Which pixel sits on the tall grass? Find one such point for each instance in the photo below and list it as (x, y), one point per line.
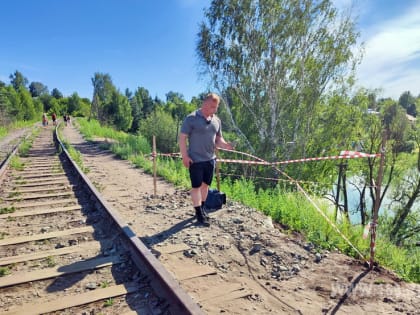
(122, 144)
(74, 154)
(5, 130)
(26, 144)
(290, 208)
(16, 163)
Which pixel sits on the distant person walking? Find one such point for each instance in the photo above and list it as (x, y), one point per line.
(202, 129)
(54, 119)
(68, 120)
(65, 119)
(44, 119)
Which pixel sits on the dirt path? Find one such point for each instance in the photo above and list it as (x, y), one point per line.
(277, 272)
(8, 142)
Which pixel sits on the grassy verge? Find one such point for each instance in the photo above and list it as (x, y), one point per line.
(74, 154)
(5, 130)
(289, 208)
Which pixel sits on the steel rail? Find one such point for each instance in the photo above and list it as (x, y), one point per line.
(162, 281)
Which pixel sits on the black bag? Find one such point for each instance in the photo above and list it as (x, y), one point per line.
(215, 199)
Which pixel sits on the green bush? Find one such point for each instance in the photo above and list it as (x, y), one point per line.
(161, 125)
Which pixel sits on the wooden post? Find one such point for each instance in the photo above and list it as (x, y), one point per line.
(377, 202)
(217, 171)
(154, 166)
(344, 188)
(337, 195)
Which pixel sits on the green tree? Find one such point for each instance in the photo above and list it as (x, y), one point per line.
(17, 80)
(279, 58)
(178, 107)
(400, 182)
(26, 104)
(119, 111)
(14, 109)
(406, 170)
(4, 106)
(103, 90)
(84, 108)
(172, 96)
(136, 104)
(408, 102)
(74, 103)
(161, 125)
(405, 225)
(52, 104)
(56, 93)
(37, 89)
(147, 101)
(38, 105)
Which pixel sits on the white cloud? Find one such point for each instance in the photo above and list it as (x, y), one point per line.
(392, 55)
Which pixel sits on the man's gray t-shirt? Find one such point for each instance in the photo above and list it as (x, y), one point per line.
(201, 135)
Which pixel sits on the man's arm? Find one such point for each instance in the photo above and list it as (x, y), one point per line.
(221, 143)
(186, 160)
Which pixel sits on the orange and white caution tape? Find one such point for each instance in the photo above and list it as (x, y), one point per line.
(257, 161)
(343, 155)
(299, 187)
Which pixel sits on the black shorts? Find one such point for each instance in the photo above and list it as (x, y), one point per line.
(202, 172)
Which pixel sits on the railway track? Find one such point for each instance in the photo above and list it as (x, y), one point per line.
(64, 251)
(9, 144)
(217, 266)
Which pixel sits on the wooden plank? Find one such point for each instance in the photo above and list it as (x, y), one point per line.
(50, 163)
(142, 310)
(47, 273)
(39, 196)
(44, 236)
(40, 180)
(39, 160)
(29, 169)
(39, 189)
(94, 246)
(43, 183)
(224, 290)
(37, 212)
(194, 272)
(232, 296)
(45, 203)
(23, 176)
(47, 153)
(39, 172)
(76, 300)
(43, 162)
(173, 248)
(183, 269)
(54, 163)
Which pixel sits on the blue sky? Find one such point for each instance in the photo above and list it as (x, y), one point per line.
(390, 30)
(151, 43)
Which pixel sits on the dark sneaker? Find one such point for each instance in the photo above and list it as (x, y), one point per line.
(203, 222)
(201, 219)
(204, 212)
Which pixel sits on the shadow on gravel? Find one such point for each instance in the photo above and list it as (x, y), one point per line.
(350, 289)
(157, 238)
(77, 271)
